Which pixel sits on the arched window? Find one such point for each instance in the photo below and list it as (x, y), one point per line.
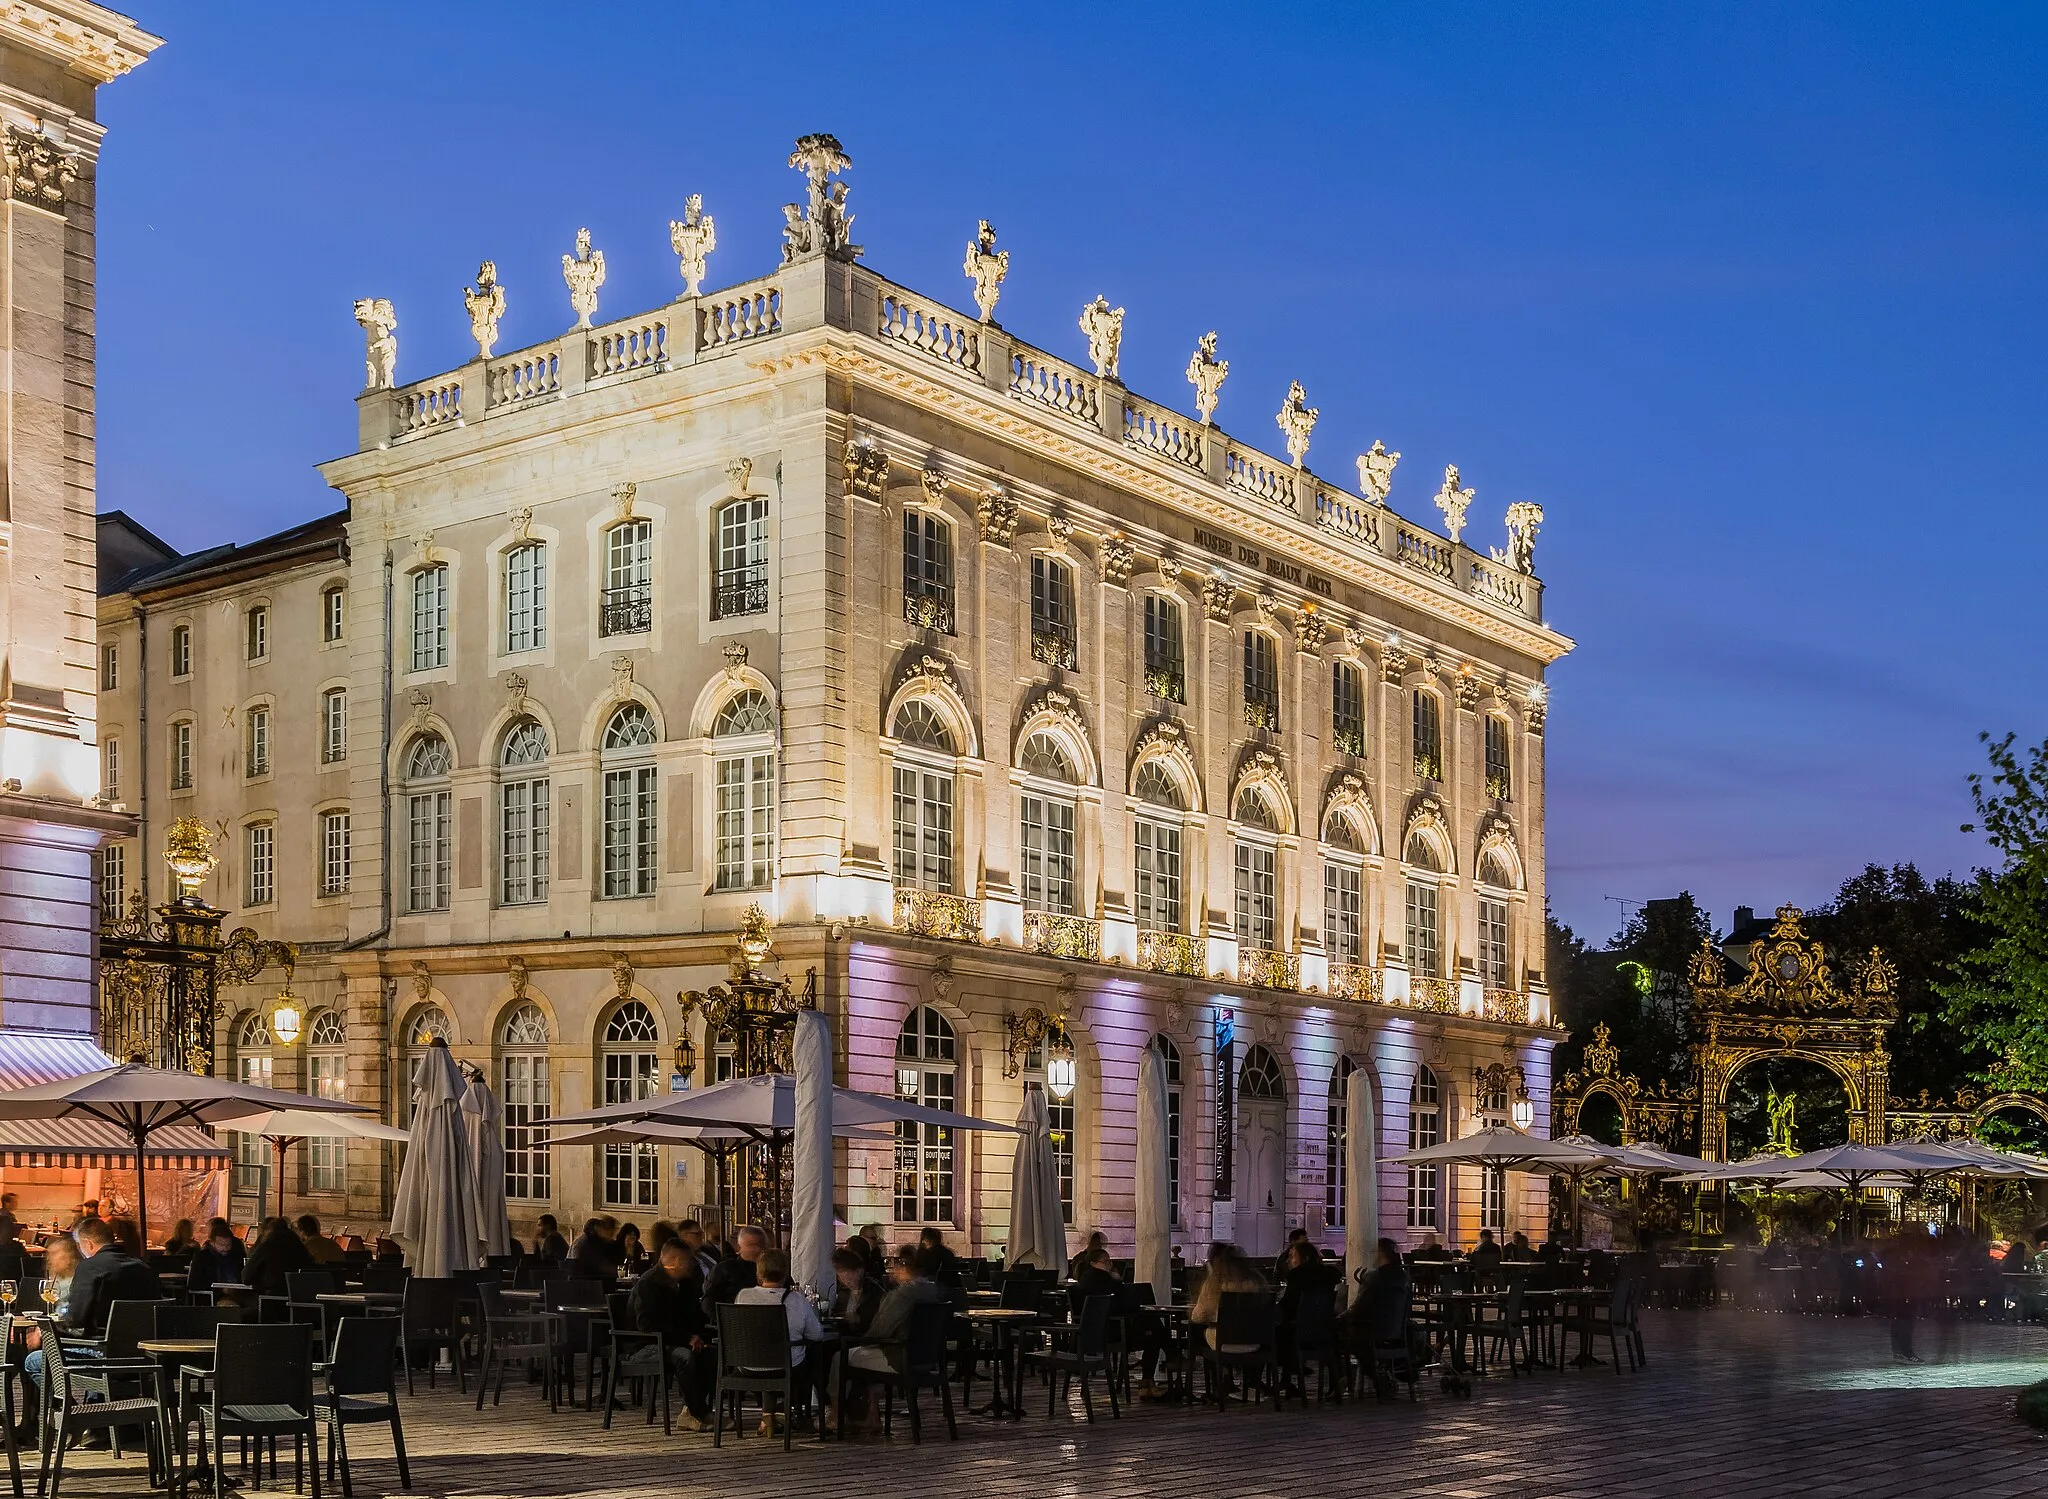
(928, 570)
(421, 1028)
(1064, 1115)
(1261, 680)
(1260, 1076)
(1156, 861)
(1425, 929)
(1500, 766)
(631, 813)
(632, 1071)
(746, 793)
(928, 1073)
(1335, 1185)
(1045, 810)
(1165, 655)
(327, 1078)
(524, 811)
(627, 604)
(1169, 1057)
(252, 1065)
(921, 804)
(526, 597)
(740, 579)
(1425, 1128)
(1257, 868)
(1429, 737)
(1494, 876)
(525, 1093)
(429, 824)
(430, 617)
(1491, 1104)
(1053, 638)
(1347, 708)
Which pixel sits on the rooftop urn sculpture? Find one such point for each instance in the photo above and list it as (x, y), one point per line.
(693, 237)
(1205, 373)
(486, 304)
(1104, 326)
(821, 224)
(986, 267)
(1524, 518)
(1297, 419)
(584, 272)
(380, 342)
(1376, 472)
(1453, 501)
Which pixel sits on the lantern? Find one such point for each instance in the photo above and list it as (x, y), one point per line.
(1059, 1065)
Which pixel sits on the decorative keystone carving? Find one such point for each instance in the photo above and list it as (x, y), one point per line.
(1538, 706)
(1393, 660)
(1269, 609)
(1205, 373)
(515, 691)
(693, 237)
(39, 171)
(1117, 558)
(735, 661)
(623, 496)
(1218, 594)
(622, 673)
(380, 342)
(867, 469)
(622, 975)
(995, 513)
(1310, 628)
(1376, 472)
(1297, 419)
(1060, 705)
(584, 272)
(1104, 326)
(926, 668)
(515, 975)
(422, 981)
(1469, 686)
(422, 704)
(1524, 517)
(486, 304)
(522, 523)
(1453, 502)
(933, 481)
(1060, 529)
(820, 226)
(739, 475)
(986, 267)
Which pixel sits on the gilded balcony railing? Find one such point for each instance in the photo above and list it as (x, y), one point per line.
(1173, 952)
(931, 914)
(1269, 970)
(1355, 981)
(1168, 682)
(1053, 647)
(930, 611)
(1508, 1005)
(1063, 936)
(1349, 741)
(1261, 713)
(1426, 993)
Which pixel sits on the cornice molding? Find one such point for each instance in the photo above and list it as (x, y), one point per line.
(96, 43)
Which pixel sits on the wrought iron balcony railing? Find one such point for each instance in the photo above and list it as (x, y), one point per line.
(1497, 787)
(1173, 952)
(1053, 647)
(1167, 682)
(929, 611)
(1425, 993)
(626, 611)
(1349, 741)
(739, 593)
(1063, 936)
(1268, 969)
(1510, 1006)
(1355, 981)
(1262, 713)
(1429, 766)
(932, 914)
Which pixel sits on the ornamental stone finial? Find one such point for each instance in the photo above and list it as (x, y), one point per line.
(821, 224)
(1454, 501)
(1524, 517)
(486, 304)
(1376, 472)
(693, 237)
(986, 267)
(584, 272)
(380, 342)
(1104, 326)
(1205, 373)
(1296, 420)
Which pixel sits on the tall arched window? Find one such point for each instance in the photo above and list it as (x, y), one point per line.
(740, 579)
(928, 1073)
(1063, 1114)
(632, 1071)
(252, 1065)
(1258, 887)
(627, 604)
(922, 800)
(1347, 708)
(1500, 765)
(1492, 1106)
(1343, 892)
(745, 733)
(1156, 854)
(1169, 1057)
(1495, 881)
(1335, 1185)
(1429, 736)
(1165, 655)
(1424, 946)
(1425, 1128)
(1045, 807)
(327, 1078)
(1261, 680)
(928, 570)
(429, 824)
(527, 1098)
(526, 597)
(523, 815)
(1260, 1076)
(422, 1027)
(1053, 639)
(631, 825)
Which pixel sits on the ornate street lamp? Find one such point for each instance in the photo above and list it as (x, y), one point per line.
(287, 1015)
(1033, 1028)
(1059, 1062)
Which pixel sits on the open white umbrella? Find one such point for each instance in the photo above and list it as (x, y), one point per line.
(1038, 1228)
(284, 1130)
(139, 1101)
(1504, 1148)
(484, 1123)
(764, 1109)
(810, 1209)
(434, 1216)
(1361, 1173)
(1154, 1263)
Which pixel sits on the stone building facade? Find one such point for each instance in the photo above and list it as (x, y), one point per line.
(1023, 705)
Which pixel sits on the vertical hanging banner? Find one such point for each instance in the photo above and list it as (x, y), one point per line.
(1226, 1101)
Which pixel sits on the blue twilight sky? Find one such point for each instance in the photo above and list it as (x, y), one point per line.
(1750, 298)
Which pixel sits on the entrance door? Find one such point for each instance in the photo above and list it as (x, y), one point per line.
(1262, 1180)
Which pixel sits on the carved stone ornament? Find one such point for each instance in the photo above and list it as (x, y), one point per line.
(422, 703)
(1060, 529)
(39, 171)
(867, 469)
(1269, 609)
(1117, 558)
(926, 668)
(515, 975)
(1393, 659)
(1468, 686)
(622, 672)
(942, 979)
(986, 267)
(1376, 472)
(1297, 419)
(423, 546)
(1524, 517)
(1104, 326)
(820, 225)
(1310, 628)
(623, 496)
(739, 477)
(693, 237)
(584, 272)
(1218, 594)
(1538, 706)
(932, 481)
(486, 304)
(422, 981)
(515, 692)
(522, 524)
(380, 342)
(1453, 501)
(735, 660)
(995, 514)
(622, 975)
(1205, 373)
(1167, 736)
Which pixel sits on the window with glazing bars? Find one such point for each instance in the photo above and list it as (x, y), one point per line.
(1493, 942)
(260, 882)
(1257, 897)
(1156, 900)
(746, 822)
(333, 725)
(334, 853)
(629, 831)
(181, 755)
(1343, 912)
(740, 582)
(1425, 1128)
(1261, 680)
(1347, 708)
(927, 1073)
(1423, 958)
(1500, 781)
(1047, 854)
(1052, 612)
(627, 607)
(1165, 659)
(927, 570)
(1429, 737)
(257, 742)
(430, 618)
(526, 598)
(923, 816)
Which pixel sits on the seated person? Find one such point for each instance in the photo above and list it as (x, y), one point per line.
(1378, 1315)
(888, 1340)
(325, 1251)
(1518, 1249)
(945, 1263)
(1096, 1240)
(278, 1253)
(772, 1288)
(1485, 1256)
(1228, 1271)
(669, 1299)
(181, 1244)
(1431, 1248)
(219, 1261)
(856, 1296)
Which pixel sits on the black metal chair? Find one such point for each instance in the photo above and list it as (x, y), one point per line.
(753, 1359)
(7, 1412)
(1313, 1340)
(583, 1317)
(924, 1368)
(508, 1336)
(1247, 1339)
(262, 1389)
(386, 1276)
(68, 1411)
(175, 1321)
(639, 1357)
(362, 1390)
(428, 1325)
(1080, 1347)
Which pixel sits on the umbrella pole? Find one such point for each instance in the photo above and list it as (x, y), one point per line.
(140, 1134)
(280, 1144)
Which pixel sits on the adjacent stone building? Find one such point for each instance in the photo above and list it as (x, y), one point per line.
(1023, 705)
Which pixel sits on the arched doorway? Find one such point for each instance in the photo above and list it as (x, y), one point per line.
(1261, 1209)
(2012, 1121)
(1785, 1102)
(1601, 1117)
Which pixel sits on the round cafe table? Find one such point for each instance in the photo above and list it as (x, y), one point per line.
(1006, 1322)
(178, 1359)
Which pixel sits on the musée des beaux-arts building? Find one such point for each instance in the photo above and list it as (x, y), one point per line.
(1017, 701)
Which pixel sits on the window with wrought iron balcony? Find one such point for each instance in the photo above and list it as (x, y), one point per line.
(1347, 709)
(740, 585)
(928, 571)
(1165, 664)
(1429, 737)
(1052, 613)
(1261, 681)
(626, 603)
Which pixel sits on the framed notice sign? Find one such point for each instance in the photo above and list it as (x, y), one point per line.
(1226, 1101)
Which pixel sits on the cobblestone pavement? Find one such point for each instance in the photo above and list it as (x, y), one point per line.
(1732, 1403)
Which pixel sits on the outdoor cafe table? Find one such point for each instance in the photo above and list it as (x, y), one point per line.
(179, 1359)
(1006, 1323)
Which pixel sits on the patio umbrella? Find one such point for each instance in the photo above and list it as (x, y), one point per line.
(1154, 1263)
(434, 1216)
(1361, 1173)
(139, 1101)
(483, 1121)
(764, 1110)
(810, 1210)
(284, 1130)
(1038, 1228)
(1504, 1148)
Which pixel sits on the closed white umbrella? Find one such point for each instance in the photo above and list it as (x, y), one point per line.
(1038, 1231)
(484, 1122)
(1361, 1173)
(810, 1209)
(1154, 1263)
(434, 1217)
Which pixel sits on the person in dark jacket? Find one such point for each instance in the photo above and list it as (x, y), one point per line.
(549, 1247)
(945, 1265)
(889, 1334)
(106, 1274)
(592, 1258)
(735, 1274)
(668, 1299)
(219, 1261)
(279, 1252)
(1378, 1315)
(856, 1296)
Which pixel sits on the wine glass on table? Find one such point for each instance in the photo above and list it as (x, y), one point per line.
(8, 1291)
(49, 1292)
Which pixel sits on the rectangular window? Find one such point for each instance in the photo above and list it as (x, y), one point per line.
(1493, 1199)
(260, 884)
(429, 841)
(1500, 784)
(1261, 680)
(526, 598)
(927, 570)
(252, 1152)
(746, 822)
(923, 815)
(1258, 918)
(627, 607)
(327, 1155)
(1047, 855)
(333, 614)
(333, 725)
(740, 585)
(113, 881)
(256, 641)
(1429, 737)
(110, 667)
(430, 618)
(1493, 942)
(110, 770)
(1423, 958)
(527, 1100)
(523, 857)
(1165, 660)
(334, 853)
(629, 831)
(181, 755)
(1425, 1128)
(257, 743)
(1061, 1115)
(1157, 861)
(1343, 913)
(1347, 708)
(181, 650)
(1052, 612)
(924, 1152)
(632, 1173)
